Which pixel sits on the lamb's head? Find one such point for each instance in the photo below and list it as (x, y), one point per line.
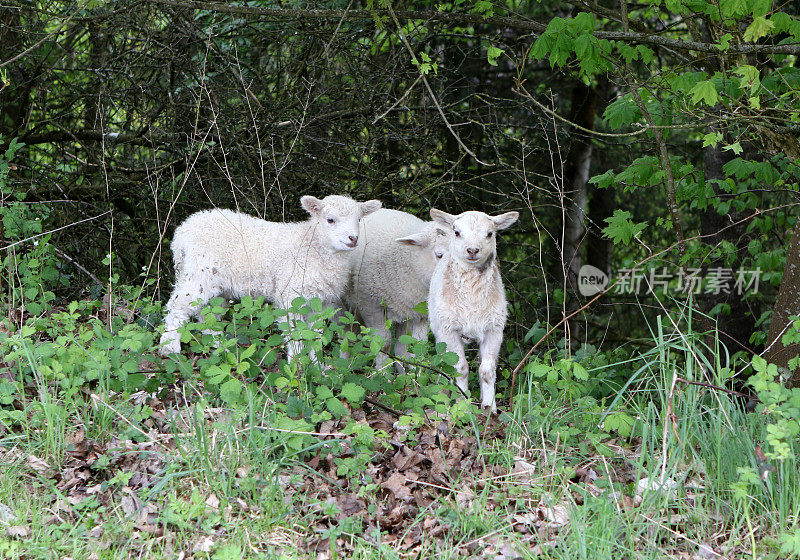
(473, 239)
(337, 219)
(430, 244)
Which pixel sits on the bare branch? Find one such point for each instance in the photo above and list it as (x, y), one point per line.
(526, 25)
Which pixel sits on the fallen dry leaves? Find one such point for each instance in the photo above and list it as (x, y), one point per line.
(400, 498)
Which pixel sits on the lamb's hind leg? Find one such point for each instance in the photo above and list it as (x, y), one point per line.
(180, 308)
(293, 347)
(213, 332)
(374, 317)
(418, 329)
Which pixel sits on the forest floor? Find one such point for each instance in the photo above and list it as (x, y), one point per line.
(87, 472)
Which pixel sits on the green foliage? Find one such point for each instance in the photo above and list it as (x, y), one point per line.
(704, 91)
(72, 353)
(760, 27)
(492, 54)
(621, 229)
(781, 405)
(74, 350)
(622, 112)
(426, 64)
(29, 263)
(790, 543)
(568, 37)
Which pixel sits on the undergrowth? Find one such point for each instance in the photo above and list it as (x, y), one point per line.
(228, 451)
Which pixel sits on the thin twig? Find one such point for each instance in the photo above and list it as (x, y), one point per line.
(430, 89)
(77, 265)
(55, 230)
(399, 101)
(520, 89)
(610, 287)
(503, 22)
(718, 388)
(53, 33)
(669, 177)
(382, 406)
(433, 369)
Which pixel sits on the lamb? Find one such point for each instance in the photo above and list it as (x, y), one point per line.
(467, 300)
(390, 274)
(229, 254)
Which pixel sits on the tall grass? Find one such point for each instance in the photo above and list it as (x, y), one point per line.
(695, 438)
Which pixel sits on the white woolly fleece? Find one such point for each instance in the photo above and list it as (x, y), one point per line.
(229, 254)
(467, 299)
(391, 271)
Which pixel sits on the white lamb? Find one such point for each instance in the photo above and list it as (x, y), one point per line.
(229, 254)
(467, 300)
(391, 274)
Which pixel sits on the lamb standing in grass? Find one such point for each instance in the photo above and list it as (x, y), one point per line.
(467, 299)
(229, 254)
(391, 274)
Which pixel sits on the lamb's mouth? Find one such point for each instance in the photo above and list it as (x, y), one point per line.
(473, 259)
(351, 244)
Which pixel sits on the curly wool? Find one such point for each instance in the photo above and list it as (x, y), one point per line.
(230, 254)
(391, 271)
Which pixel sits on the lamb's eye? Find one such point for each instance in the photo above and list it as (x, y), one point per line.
(331, 221)
(439, 255)
(458, 233)
(489, 235)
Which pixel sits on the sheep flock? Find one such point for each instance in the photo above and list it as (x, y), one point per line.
(379, 264)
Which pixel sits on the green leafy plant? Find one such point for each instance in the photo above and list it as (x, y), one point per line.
(780, 405)
(29, 261)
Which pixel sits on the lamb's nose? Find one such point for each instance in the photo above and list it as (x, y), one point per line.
(354, 239)
(472, 252)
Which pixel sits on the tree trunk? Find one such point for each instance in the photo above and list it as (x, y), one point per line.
(736, 326)
(576, 176)
(786, 305)
(598, 247)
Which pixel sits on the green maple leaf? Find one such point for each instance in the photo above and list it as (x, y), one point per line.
(736, 148)
(620, 422)
(492, 54)
(712, 139)
(621, 112)
(750, 77)
(704, 91)
(621, 229)
(760, 27)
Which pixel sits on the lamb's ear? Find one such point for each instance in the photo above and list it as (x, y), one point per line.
(312, 204)
(369, 206)
(421, 239)
(442, 217)
(505, 220)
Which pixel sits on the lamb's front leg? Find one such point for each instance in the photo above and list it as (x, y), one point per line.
(487, 372)
(295, 347)
(374, 317)
(456, 344)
